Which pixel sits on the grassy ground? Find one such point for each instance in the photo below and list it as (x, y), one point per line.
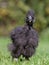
(40, 58)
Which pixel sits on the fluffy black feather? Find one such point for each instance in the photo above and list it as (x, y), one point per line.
(24, 40)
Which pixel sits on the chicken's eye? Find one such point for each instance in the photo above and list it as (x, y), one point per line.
(32, 17)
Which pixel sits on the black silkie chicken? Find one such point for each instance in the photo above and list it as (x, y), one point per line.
(24, 39)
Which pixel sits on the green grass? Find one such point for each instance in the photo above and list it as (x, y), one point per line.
(41, 56)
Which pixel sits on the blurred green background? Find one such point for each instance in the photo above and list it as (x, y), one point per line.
(12, 14)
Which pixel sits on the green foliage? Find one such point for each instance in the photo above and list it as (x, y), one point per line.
(13, 13)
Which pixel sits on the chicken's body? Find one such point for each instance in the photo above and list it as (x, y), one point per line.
(24, 39)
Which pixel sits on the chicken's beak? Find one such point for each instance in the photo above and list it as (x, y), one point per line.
(30, 21)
